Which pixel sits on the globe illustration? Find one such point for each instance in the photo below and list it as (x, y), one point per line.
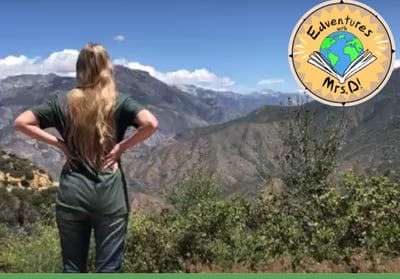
(340, 49)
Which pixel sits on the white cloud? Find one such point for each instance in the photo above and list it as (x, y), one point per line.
(13, 65)
(397, 63)
(136, 66)
(270, 81)
(199, 77)
(63, 63)
(119, 38)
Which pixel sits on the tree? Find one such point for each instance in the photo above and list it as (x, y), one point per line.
(312, 137)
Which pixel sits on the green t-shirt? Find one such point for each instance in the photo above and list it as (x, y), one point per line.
(83, 191)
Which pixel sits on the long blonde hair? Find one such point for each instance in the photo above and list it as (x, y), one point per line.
(90, 106)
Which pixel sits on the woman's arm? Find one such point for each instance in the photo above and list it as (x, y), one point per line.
(28, 124)
(148, 124)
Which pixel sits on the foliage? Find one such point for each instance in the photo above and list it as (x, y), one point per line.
(21, 208)
(360, 216)
(18, 168)
(15, 166)
(312, 137)
(38, 252)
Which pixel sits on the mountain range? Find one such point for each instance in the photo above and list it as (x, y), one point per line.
(179, 110)
(233, 130)
(233, 149)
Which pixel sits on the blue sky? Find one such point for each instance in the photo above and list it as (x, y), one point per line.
(219, 43)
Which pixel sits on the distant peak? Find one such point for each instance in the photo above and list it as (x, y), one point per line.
(121, 68)
(29, 76)
(188, 88)
(268, 92)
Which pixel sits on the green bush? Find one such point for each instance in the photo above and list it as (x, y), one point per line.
(360, 216)
(23, 207)
(38, 252)
(150, 245)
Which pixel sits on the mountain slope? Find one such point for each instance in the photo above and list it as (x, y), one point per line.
(234, 148)
(176, 110)
(189, 126)
(231, 149)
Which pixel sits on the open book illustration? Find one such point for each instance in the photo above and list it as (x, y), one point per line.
(357, 65)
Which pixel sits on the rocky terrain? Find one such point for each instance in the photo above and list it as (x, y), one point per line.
(17, 172)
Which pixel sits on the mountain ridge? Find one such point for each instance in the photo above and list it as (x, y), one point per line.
(370, 144)
(176, 110)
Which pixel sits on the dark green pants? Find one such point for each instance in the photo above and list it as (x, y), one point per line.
(109, 233)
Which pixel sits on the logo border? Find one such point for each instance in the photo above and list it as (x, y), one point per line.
(302, 84)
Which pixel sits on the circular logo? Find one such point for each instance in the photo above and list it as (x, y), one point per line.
(341, 53)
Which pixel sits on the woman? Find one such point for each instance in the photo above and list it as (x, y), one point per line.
(92, 120)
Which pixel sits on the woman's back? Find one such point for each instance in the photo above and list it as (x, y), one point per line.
(82, 188)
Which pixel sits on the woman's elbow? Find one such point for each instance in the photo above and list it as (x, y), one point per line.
(24, 120)
(148, 121)
(19, 123)
(149, 126)
(153, 124)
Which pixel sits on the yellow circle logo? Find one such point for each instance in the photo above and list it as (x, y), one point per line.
(341, 53)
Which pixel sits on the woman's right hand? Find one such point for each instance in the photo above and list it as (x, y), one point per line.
(147, 125)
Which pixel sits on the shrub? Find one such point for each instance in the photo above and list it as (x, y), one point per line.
(359, 216)
(38, 252)
(150, 245)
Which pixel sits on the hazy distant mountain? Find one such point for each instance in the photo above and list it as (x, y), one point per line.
(243, 102)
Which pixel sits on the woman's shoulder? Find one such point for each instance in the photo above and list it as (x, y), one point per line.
(62, 98)
(122, 96)
(52, 101)
(124, 99)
